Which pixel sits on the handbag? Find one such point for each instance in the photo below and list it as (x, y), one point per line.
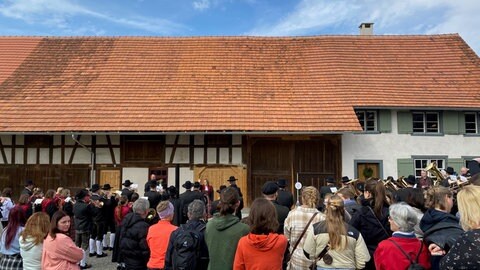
(300, 238)
(327, 259)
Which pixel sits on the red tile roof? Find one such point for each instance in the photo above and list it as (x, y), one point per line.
(256, 84)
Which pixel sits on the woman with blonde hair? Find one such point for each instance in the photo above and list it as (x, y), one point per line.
(441, 229)
(31, 240)
(296, 226)
(339, 244)
(465, 253)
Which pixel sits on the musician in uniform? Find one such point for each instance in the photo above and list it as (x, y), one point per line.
(284, 196)
(110, 203)
(126, 191)
(329, 188)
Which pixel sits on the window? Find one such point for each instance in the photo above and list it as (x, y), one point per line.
(471, 123)
(425, 122)
(368, 120)
(421, 164)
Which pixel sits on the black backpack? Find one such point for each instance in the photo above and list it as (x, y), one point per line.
(414, 265)
(186, 247)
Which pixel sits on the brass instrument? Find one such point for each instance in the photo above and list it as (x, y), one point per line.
(152, 213)
(459, 184)
(432, 168)
(391, 185)
(401, 182)
(353, 186)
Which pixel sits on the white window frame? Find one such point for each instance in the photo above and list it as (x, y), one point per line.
(364, 126)
(424, 129)
(424, 162)
(471, 131)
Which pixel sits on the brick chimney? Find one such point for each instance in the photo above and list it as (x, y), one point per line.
(366, 29)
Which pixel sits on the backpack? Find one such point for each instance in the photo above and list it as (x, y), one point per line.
(414, 265)
(186, 247)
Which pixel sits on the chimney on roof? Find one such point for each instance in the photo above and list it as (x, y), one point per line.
(366, 29)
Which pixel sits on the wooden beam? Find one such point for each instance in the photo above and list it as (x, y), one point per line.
(4, 156)
(110, 147)
(14, 143)
(174, 149)
(75, 146)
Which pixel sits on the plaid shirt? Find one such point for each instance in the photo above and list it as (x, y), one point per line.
(296, 221)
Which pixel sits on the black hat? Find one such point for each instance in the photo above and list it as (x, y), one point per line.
(450, 170)
(106, 187)
(196, 185)
(345, 179)
(232, 179)
(361, 186)
(187, 185)
(127, 183)
(222, 187)
(411, 180)
(95, 188)
(269, 188)
(152, 183)
(282, 183)
(172, 191)
(474, 167)
(82, 193)
(95, 198)
(28, 182)
(330, 179)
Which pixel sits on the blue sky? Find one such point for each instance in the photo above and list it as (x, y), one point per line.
(238, 17)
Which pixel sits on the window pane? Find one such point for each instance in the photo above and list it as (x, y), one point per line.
(418, 127)
(361, 119)
(432, 117)
(371, 115)
(418, 163)
(417, 117)
(469, 118)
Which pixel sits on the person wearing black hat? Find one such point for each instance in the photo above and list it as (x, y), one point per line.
(154, 197)
(126, 191)
(329, 188)
(187, 197)
(96, 235)
(28, 188)
(284, 197)
(214, 206)
(153, 178)
(344, 182)
(402, 195)
(110, 202)
(82, 212)
(269, 191)
(233, 183)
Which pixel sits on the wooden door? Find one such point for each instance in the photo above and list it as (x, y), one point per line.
(364, 170)
(111, 177)
(218, 176)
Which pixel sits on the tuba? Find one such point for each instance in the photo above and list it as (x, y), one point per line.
(432, 168)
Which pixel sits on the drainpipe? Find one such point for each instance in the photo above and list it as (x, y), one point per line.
(92, 159)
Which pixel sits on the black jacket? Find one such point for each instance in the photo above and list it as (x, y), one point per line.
(185, 199)
(373, 229)
(285, 198)
(133, 242)
(154, 198)
(199, 226)
(440, 228)
(82, 213)
(282, 213)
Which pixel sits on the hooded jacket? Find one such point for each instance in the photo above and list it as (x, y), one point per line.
(222, 235)
(133, 242)
(440, 228)
(31, 253)
(257, 251)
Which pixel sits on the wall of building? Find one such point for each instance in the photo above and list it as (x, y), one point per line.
(389, 147)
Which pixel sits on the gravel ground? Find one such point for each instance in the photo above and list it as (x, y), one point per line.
(104, 263)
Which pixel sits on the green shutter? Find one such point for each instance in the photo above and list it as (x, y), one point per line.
(450, 122)
(456, 163)
(404, 121)
(405, 167)
(461, 123)
(384, 121)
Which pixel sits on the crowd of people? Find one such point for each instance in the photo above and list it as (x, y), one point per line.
(362, 226)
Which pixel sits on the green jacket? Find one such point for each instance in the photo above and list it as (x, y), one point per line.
(222, 235)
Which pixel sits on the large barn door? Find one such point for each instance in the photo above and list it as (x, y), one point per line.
(110, 176)
(218, 176)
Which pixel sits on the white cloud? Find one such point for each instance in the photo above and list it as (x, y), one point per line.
(201, 4)
(57, 13)
(393, 17)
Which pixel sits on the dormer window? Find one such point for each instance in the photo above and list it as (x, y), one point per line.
(367, 119)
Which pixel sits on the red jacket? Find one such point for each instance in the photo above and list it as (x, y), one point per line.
(388, 255)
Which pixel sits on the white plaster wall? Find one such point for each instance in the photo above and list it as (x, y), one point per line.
(198, 155)
(224, 156)
(57, 140)
(6, 140)
(391, 146)
(211, 155)
(31, 156)
(44, 156)
(57, 156)
(236, 139)
(182, 155)
(185, 175)
(237, 155)
(8, 153)
(18, 156)
(19, 140)
(82, 156)
(103, 156)
(138, 176)
(182, 139)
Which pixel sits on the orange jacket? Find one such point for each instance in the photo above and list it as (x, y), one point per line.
(157, 240)
(260, 252)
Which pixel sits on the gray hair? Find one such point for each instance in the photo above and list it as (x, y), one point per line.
(404, 216)
(196, 210)
(141, 206)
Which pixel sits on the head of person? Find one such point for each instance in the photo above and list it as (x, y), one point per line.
(24, 199)
(310, 197)
(439, 198)
(469, 207)
(196, 210)
(65, 193)
(16, 219)
(59, 190)
(165, 210)
(153, 177)
(402, 217)
(464, 171)
(269, 190)
(60, 223)
(196, 186)
(262, 217)
(423, 174)
(37, 227)
(50, 194)
(415, 198)
(7, 192)
(334, 216)
(134, 197)
(123, 200)
(346, 194)
(29, 184)
(376, 193)
(141, 207)
(172, 192)
(229, 201)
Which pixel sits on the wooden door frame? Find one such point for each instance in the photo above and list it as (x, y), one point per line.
(356, 162)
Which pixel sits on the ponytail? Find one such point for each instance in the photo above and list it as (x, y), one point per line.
(379, 198)
(334, 218)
